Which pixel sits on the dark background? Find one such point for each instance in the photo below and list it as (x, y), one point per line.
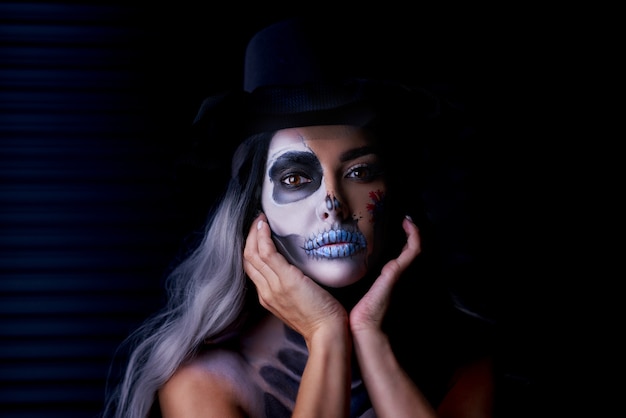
(95, 100)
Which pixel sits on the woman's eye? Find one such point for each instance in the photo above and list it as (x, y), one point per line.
(365, 172)
(295, 180)
(362, 172)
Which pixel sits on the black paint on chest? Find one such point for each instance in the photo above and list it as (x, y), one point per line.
(283, 378)
(280, 381)
(274, 408)
(294, 360)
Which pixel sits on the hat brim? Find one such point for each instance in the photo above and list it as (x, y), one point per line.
(225, 121)
(357, 102)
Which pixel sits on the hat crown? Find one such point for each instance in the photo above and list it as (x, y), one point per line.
(295, 51)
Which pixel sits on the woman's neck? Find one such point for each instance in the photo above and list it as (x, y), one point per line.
(348, 296)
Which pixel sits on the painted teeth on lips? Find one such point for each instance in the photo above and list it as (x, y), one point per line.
(335, 243)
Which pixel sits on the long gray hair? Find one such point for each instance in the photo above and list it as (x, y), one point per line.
(207, 293)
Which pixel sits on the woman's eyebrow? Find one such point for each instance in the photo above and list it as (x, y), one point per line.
(356, 153)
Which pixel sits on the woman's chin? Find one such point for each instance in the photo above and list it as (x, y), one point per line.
(334, 273)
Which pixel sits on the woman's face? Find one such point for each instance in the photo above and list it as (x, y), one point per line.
(323, 193)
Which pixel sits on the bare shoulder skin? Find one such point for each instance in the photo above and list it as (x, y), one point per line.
(259, 378)
(215, 383)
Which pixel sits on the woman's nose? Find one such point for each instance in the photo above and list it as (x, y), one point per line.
(331, 208)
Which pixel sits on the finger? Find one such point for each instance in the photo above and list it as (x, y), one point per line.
(392, 270)
(263, 255)
(412, 247)
(251, 247)
(254, 265)
(265, 245)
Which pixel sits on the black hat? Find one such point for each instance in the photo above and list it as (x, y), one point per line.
(304, 72)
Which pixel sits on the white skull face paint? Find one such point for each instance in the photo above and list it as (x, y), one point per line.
(322, 191)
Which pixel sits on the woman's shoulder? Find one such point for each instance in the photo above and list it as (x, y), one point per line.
(213, 382)
(223, 362)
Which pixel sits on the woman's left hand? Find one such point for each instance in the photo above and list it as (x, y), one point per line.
(369, 312)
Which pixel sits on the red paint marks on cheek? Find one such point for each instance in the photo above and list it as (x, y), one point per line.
(375, 207)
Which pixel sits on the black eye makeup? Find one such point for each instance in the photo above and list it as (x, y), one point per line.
(295, 175)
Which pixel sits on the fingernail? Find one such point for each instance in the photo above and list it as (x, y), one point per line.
(409, 218)
(259, 225)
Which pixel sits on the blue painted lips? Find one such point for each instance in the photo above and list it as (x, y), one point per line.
(335, 243)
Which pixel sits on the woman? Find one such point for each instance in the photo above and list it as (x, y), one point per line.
(312, 291)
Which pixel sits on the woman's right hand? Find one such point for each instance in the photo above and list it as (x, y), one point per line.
(285, 290)
(311, 311)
